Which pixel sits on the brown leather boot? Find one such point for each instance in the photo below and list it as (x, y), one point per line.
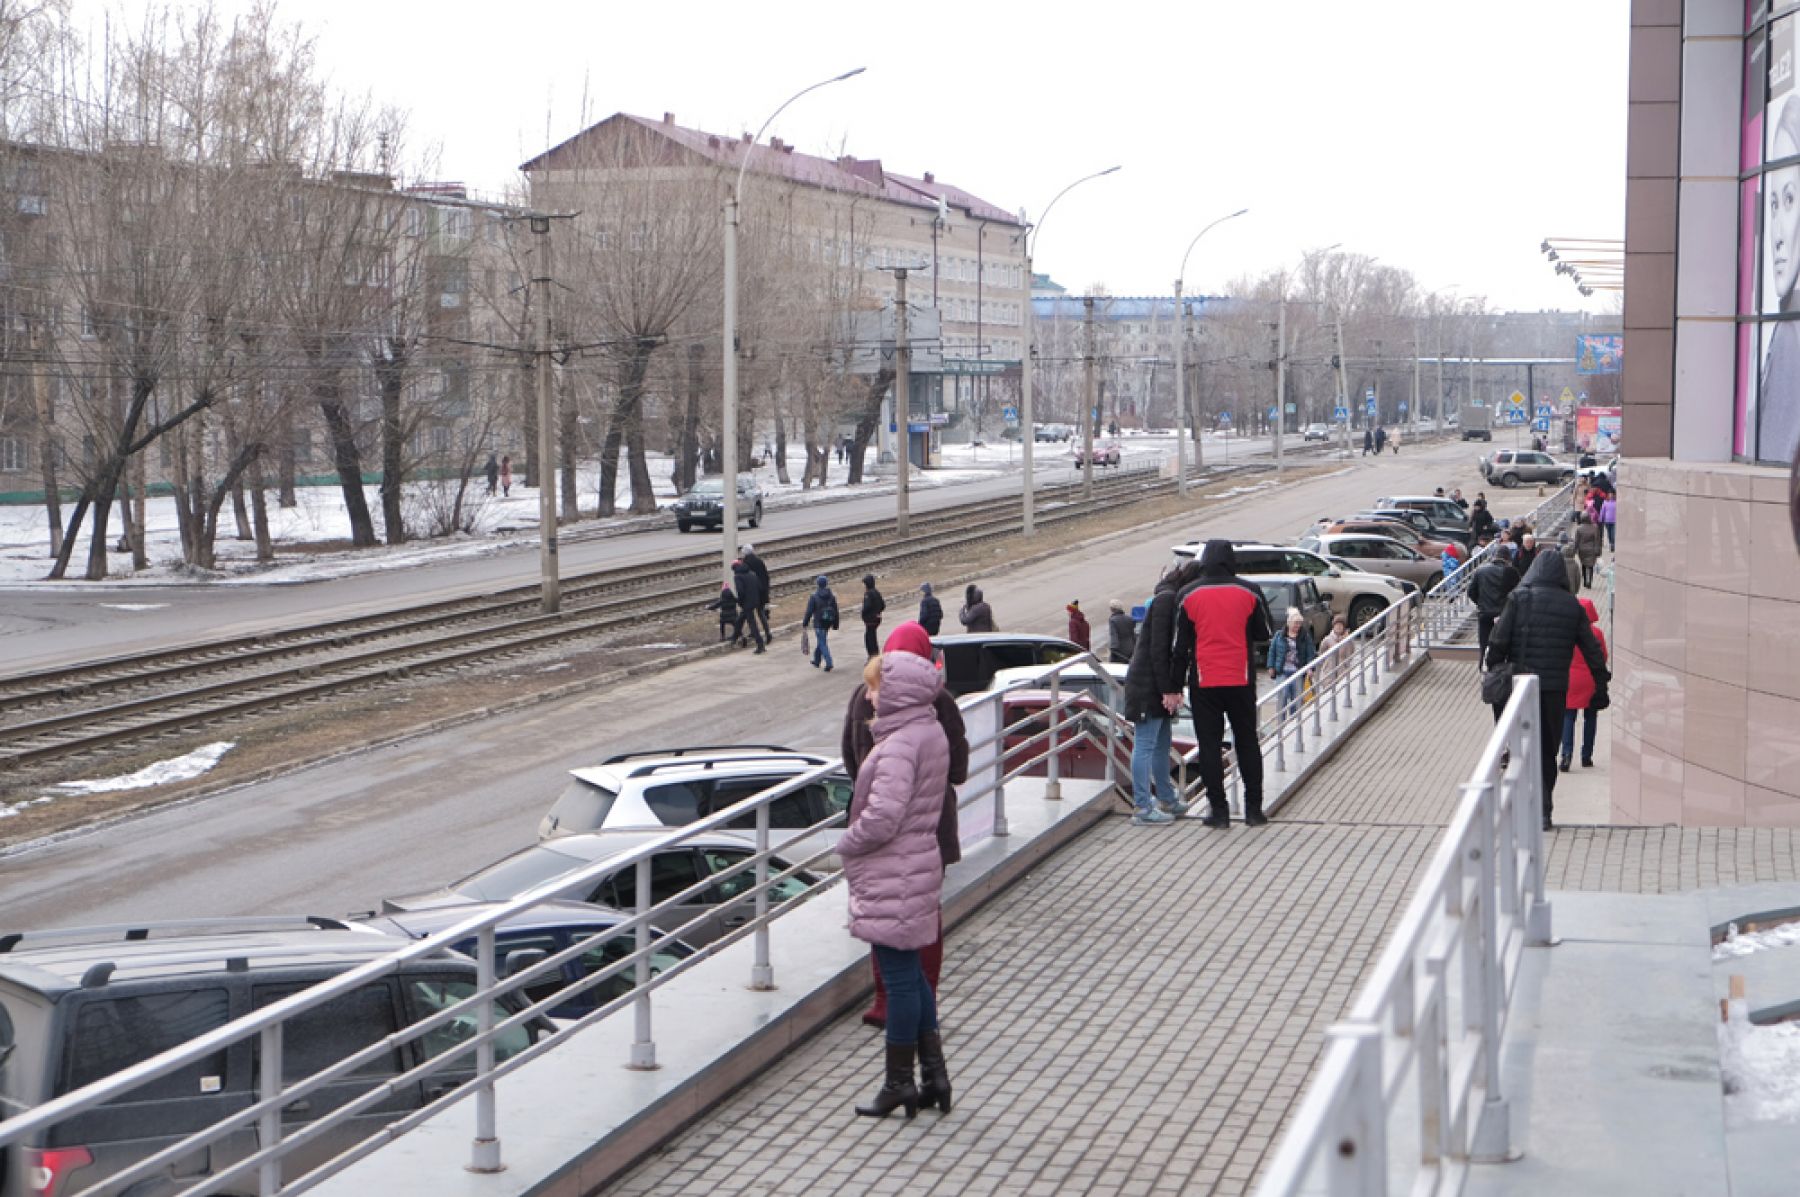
(899, 1089)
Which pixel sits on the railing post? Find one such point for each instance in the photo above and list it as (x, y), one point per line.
(1053, 784)
(1110, 714)
(1537, 918)
(1492, 1143)
(1000, 830)
(762, 972)
(268, 1181)
(484, 1154)
(1356, 1156)
(643, 1047)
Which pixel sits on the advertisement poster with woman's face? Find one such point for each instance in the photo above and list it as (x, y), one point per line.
(1777, 411)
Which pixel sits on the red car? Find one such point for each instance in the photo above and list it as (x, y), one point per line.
(1108, 454)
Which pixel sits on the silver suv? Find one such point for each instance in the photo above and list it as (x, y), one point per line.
(1509, 467)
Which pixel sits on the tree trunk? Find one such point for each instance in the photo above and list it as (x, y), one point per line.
(628, 421)
(285, 462)
(240, 512)
(528, 401)
(568, 453)
(867, 421)
(60, 567)
(687, 452)
(185, 522)
(259, 514)
(609, 469)
(781, 470)
(348, 459)
(140, 549)
(47, 449)
(103, 499)
(390, 375)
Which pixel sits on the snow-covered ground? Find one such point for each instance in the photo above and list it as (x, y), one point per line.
(180, 768)
(1737, 944)
(501, 521)
(1761, 1069)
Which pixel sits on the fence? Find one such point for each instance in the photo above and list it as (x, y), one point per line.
(1000, 752)
(1408, 1093)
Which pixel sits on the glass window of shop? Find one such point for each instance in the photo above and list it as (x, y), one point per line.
(1768, 382)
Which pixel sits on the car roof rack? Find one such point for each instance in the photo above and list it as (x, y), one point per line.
(656, 767)
(648, 752)
(133, 932)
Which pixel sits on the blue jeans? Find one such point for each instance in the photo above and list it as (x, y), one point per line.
(1150, 762)
(911, 1006)
(1590, 718)
(1290, 695)
(1612, 536)
(820, 651)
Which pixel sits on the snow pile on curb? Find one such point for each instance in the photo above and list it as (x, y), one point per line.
(1750, 942)
(162, 773)
(1761, 1070)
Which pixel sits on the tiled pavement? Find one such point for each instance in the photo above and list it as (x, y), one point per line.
(1140, 1015)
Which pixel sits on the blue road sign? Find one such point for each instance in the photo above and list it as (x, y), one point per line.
(1369, 395)
(1544, 411)
(1371, 409)
(1542, 425)
(1403, 407)
(1009, 413)
(1581, 398)
(1340, 414)
(1271, 413)
(1515, 415)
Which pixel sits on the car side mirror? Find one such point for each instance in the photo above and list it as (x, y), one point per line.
(524, 959)
(1333, 572)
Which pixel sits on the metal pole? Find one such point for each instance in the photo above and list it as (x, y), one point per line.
(1415, 395)
(728, 419)
(1027, 430)
(643, 1046)
(484, 1156)
(1180, 394)
(1087, 399)
(1343, 386)
(1280, 376)
(540, 285)
(269, 1085)
(902, 403)
(762, 971)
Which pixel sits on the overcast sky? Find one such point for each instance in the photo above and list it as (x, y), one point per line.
(1446, 138)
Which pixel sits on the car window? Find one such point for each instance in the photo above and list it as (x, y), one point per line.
(318, 1038)
(517, 873)
(543, 984)
(115, 1033)
(7, 1043)
(614, 948)
(838, 793)
(996, 657)
(582, 804)
(1351, 548)
(1303, 563)
(718, 860)
(1050, 654)
(1312, 543)
(1258, 561)
(678, 803)
(430, 996)
(790, 810)
(670, 873)
(1395, 551)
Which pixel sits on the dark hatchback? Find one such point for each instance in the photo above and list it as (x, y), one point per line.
(972, 658)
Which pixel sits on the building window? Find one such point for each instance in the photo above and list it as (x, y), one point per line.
(14, 455)
(1767, 425)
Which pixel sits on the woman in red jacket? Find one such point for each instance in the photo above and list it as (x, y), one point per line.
(1581, 698)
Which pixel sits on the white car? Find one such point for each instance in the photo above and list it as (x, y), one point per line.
(1316, 432)
(1358, 595)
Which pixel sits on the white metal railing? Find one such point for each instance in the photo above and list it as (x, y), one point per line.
(1408, 1093)
(498, 1006)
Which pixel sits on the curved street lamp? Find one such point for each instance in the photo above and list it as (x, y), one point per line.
(1181, 484)
(1028, 437)
(728, 422)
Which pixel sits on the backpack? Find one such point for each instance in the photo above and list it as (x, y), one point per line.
(828, 613)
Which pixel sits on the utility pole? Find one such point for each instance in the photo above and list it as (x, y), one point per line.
(1415, 397)
(1280, 376)
(1180, 393)
(1343, 386)
(1027, 430)
(1087, 400)
(903, 400)
(1438, 336)
(540, 294)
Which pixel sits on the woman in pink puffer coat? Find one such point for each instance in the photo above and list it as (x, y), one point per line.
(895, 873)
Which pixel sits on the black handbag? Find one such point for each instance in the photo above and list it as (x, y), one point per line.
(1497, 684)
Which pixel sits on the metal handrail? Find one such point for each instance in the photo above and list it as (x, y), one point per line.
(1457, 947)
(484, 1004)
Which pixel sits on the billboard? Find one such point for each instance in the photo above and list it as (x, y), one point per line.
(1597, 428)
(865, 341)
(1599, 353)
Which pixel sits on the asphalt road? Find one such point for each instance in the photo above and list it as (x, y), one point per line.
(43, 625)
(339, 836)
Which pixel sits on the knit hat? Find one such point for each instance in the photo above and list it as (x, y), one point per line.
(1115, 604)
(749, 548)
(909, 637)
(1075, 605)
(924, 587)
(822, 581)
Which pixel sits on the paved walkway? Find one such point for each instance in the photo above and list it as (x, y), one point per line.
(1140, 1015)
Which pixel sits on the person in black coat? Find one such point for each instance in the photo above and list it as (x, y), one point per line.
(1481, 520)
(931, 612)
(1540, 631)
(872, 607)
(1121, 633)
(1368, 441)
(749, 598)
(1489, 586)
(761, 571)
(1152, 696)
(726, 606)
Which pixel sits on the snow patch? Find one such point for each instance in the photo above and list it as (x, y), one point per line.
(670, 644)
(135, 606)
(1761, 1069)
(9, 810)
(1751, 942)
(557, 666)
(162, 773)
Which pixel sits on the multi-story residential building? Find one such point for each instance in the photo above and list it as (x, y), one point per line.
(1134, 350)
(964, 255)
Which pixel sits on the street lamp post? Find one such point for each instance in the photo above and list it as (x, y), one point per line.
(728, 421)
(1181, 366)
(1028, 435)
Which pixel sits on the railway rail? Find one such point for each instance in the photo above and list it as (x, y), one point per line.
(102, 706)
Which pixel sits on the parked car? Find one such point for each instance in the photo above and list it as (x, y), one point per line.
(972, 658)
(541, 932)
(79, 1005)
(704, 505)
(1610, 469)
(1297, 591)
(1441, 511)
(1380, 554)
(1028, 704)
(719, 908)
(1419, 522)
(1509, 467)
(1053, 432)
(1358, 594)
(1316, 432)
(1401, 531)
(673, 787)
(1107, 454)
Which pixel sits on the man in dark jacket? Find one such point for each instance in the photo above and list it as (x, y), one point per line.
(872, 607)
(1152, 696)
(1481, 520)
(761, 571)
(749, 597)
(1491, 582)
(1121, 634)
(1220, 620)
(931, 612)
(1380, 439)
(1540, 631)
(858, 741)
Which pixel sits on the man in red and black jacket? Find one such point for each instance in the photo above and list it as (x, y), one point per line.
(1222, 618)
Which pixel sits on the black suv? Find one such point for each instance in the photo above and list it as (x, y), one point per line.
(79, 1005)
(704, 505)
